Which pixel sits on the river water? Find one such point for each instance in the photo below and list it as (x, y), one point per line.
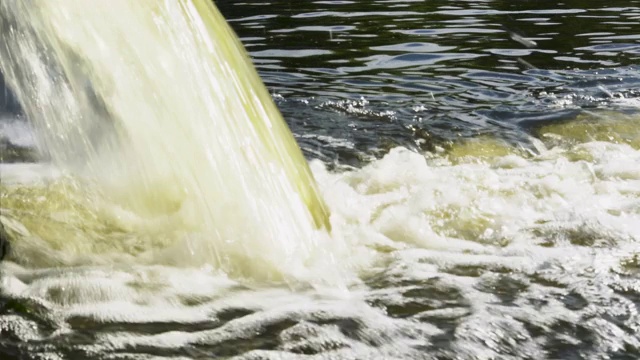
(481, 161)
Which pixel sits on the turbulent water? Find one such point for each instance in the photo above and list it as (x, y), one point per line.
(171, 144)
(481, 163)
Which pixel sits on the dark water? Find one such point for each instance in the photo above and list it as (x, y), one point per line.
(436, 70)
(377, 74)
(357, 78)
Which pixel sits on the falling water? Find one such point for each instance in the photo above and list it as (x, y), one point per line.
(171, 145)
(484, 194)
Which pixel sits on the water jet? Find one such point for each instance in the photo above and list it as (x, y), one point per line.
(162, 128)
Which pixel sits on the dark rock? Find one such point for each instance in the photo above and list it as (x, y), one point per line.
(4, 242)
(13, 153)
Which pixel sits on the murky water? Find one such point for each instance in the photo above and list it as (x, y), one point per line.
(481, 160)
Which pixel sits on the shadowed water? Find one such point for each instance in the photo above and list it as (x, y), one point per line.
(481, 162)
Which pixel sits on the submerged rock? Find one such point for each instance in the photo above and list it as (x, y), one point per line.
(4, 242)
(13, 153)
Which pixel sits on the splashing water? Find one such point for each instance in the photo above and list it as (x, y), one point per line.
(476, 248)
(156, 114)
(514, 256)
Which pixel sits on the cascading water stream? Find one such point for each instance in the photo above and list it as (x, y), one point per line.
(478, 209)
(156, 114)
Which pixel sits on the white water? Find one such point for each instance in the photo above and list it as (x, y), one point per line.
(466, 247)
(432, 242)
(164, 130)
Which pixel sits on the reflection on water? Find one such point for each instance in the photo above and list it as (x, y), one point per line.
(442, 68)
(481, 160)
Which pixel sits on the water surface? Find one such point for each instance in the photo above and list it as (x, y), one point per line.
(442, 68)
(481, 160)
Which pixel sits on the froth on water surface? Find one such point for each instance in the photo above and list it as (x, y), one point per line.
(481, 164)
(482, 249)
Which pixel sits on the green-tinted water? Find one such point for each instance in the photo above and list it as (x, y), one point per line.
(481, 163)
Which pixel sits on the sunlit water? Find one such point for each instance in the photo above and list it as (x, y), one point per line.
(482, 167)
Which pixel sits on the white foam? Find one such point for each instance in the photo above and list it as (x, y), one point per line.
(407, 220)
